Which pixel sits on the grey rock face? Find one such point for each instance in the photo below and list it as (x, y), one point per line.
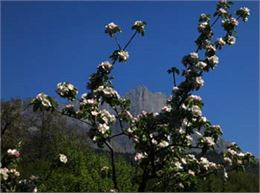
(144, 100)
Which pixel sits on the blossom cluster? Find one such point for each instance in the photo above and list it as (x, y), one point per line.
(10, 176)
(243, 12)
(13, 152)
(120, 55)
(43, 102)
(105, 67)
(9, 173)
(235, 157)
(139, 26)
(67, 90)
(112, 29)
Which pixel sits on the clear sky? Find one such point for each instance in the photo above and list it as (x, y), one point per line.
(44, 43)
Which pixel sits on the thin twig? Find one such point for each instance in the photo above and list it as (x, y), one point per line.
(88, 123)
(130, 40)
(118, 45)
(215, 21)
(174, 79)
(116, 135)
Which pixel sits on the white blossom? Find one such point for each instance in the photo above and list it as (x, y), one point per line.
(210, 47)
(213, 60)
(15, 172)
(111, 25)
(107, 91)
(223, 1)
(43, 98)
(127, 114)
(233, 21)
(181, 130)
(204, 163)
(4, 173)
(203, 119)
(123, 55)
(178, 165)
(107, 117)
(113, 190)
(191, 157)
(217, 128)
(199, 81)
(105, 66)
(163, 144)
(185, 123)
(201, 65)
(65, 89)
(102, 128)
(140, 156)
(63, 158)
(231, 40)
(88, 101)
(241, 154)
(228, 161)
(139, 25)
(195, 98)
(196, 111)
(231, 151)
(184, 107)
(154, 142)
(183, 161)
(225, 175)
(221, 11)
(180, 185)
(167, 108)
(112, 28)
(221, 41)
(191, 173)
(243, 12)
(13, 152)
(189, 139)
(193, 57)
(209, 141)
(175, 89)
(94, 113)
(203, 26)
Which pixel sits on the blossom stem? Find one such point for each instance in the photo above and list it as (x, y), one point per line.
(118, 45)
(174, 79)
(215, 21)
(130, 40)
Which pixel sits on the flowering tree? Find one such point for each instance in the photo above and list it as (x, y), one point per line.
(163, 141)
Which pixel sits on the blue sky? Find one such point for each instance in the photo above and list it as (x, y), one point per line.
(44, 43)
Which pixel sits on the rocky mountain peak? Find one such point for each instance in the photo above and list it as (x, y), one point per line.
(144, 100)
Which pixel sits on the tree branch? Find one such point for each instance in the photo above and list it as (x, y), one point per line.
(113, 165)
(88, 123)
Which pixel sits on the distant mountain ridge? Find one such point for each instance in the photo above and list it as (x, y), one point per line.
(141, 100)
(144, 100)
